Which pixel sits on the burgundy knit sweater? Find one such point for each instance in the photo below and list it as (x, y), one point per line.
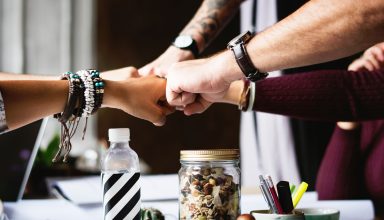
(353, 164)
(333, 95)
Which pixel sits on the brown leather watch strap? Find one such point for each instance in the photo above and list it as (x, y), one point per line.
(245, 63)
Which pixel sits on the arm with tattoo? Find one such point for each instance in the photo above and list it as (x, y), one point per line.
(209, 20)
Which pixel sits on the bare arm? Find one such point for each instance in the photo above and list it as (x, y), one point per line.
(320, 31)
(209, 20)
(27, 100)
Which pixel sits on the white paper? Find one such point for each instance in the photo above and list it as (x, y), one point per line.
(51, 209)
(88, 190)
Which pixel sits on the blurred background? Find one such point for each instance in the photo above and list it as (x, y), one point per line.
(54, 36)
(50, 37)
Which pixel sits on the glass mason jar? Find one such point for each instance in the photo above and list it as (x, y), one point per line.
(209, 184)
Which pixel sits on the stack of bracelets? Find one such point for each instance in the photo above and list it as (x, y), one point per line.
(86, 90)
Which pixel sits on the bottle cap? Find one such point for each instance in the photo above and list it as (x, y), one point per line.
(118, 134)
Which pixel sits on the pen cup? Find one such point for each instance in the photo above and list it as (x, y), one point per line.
(299, 214)
(266, 215)
(320, 213)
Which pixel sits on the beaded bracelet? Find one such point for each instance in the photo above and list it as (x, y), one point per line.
(86, 90)
(88, 93)
(99, 89)
(94, 91)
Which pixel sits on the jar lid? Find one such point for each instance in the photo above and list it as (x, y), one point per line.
(209, 154)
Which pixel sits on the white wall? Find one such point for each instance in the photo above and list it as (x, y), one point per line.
(49, 37)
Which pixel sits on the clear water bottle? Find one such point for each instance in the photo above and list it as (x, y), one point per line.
(120, 173)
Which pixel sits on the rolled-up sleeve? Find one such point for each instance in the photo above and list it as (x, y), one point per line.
(3, 122)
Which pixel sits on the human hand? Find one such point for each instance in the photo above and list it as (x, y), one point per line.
(231, 96)
(142, 97)
(161, 65)
(372, 59)
(202, 76)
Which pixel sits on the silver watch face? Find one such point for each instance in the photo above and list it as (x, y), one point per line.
(183, 41)
(241, 38)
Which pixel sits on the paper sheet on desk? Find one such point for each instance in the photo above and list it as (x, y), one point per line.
(50, 209)
(87, 190)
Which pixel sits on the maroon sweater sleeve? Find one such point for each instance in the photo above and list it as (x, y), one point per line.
(331, 95)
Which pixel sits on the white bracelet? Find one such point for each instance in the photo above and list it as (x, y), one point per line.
(88, 92)
(252, 96)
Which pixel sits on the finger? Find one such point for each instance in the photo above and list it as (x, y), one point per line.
(135, 74)
(173, 97)
(159, 72)
(145, 70)
(168, 109)
(368, 65)
(378, 53)
(371, 58)
(179, 108)
(159, 116)
(197, 107)
(187, 98)
(356, 65)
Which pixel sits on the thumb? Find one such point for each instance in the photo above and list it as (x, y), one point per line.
(145, 70)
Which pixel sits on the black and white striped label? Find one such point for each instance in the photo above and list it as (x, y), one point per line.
(121, 196)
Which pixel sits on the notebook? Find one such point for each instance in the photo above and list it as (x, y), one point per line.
(18, 149)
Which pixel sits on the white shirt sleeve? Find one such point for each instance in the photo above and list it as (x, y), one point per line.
(3, 122)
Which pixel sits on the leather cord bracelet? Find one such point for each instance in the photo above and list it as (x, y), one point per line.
(244, 94)
(86, 90)
(75, 93)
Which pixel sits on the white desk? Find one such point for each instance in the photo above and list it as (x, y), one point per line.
(60, 209)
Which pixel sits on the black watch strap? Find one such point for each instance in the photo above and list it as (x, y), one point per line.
(194, 49)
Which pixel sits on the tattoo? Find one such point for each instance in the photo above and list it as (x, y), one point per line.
(212, 16)
(209, 26)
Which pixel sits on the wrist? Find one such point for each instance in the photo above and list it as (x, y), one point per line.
(233, 94)
(180, 54)
(227, 67)
(112, 93)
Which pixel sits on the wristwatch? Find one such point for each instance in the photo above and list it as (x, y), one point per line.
(237, 45)
(186, 42)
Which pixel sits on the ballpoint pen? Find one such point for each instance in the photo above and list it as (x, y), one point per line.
(265, 196)
(274, 194)
(268, 195)
(299, 193)
(285, 196)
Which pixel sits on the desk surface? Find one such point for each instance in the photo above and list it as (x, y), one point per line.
(57, 209)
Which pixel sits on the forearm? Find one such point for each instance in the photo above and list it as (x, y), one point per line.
(26, 101)
(210, 19)
(320, 31)
(12, 76)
